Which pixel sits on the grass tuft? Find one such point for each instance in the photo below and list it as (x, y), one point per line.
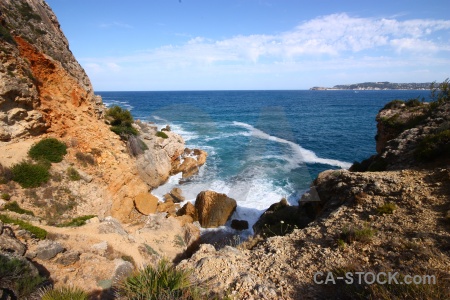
(387, 208)
(161, 282)
(77, 222)
(63, 293)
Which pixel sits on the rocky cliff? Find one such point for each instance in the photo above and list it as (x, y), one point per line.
(393, 218)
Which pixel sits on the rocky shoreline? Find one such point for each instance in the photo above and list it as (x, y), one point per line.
(92, 220)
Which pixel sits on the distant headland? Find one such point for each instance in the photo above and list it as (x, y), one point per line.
(385, 85)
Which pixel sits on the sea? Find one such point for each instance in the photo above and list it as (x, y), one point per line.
(263, 145)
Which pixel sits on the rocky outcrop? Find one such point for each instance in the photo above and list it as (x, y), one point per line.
(214, 209)
(189, 163)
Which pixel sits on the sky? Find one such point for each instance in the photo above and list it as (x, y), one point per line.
(169, 45)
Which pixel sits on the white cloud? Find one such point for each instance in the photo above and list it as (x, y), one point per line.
(328, 43)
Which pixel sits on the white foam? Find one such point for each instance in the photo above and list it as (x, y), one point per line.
(305, 155)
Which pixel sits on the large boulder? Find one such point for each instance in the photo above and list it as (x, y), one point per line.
(146, 203)
(192, 161)
(214, 209)
(47, 249)
(175, 195)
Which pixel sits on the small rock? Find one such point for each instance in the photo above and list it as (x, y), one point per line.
(68, 258)
(47, 249)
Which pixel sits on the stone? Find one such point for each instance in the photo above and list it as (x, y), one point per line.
(68, 258)
(188, 210)
(177, 196)
(168, 207)
(239, 224)
(12, 245)
(47, 249)
(214, 209)
(146, 203)
(111, 225)
(122, 270)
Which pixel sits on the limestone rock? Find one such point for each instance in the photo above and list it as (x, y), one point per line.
(68, 258)
(175, 195)
(111, 225)
(214, 209)
(188, 210)
(154, 167)
(12, 245)
(47, 249)
(167, 207)
(146, 203)
(122, 270)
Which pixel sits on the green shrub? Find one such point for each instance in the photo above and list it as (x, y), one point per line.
(433, 146)
(77, 222)
(161, 282)
(6, 196)
(63, 293)
(17, 274)
(48, 149)
(73, 174)
(38, 232)
(394, 104)
(30, 175)
(5, 174)
(5, 35)
(14, 206)
(162, 134)
(121, 121)
(387, 208)
(413, 103)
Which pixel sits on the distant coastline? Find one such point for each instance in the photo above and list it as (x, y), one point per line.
(385, 85)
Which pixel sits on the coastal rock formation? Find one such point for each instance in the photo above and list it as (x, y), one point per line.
(189, 163)
(146, 203)
(214, 209)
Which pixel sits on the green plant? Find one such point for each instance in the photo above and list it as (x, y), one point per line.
(162, 134)
(77, 222)
(5, 174)
(433, 146)
(38, 232)
(48, 149)
(394, 104)
(6, 196)
(351, 234)
(161, 282)
(121, 121)
(85, 158)
(18, 275)
(27, 12)
(413, 103)
(73, 174)
(150, 250)
(5, 35)
(30, 175)
(440, 93)
(14, 206)
(63, 293)
(387, 208)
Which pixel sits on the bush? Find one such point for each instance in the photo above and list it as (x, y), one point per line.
(30, 175)
(433, 146)
(162, 134)
(48, 149)
(73, 174)
(85, 158)
(121, 121)
(63, 293)
(77, 222)
(5, 174)
(413, 103)
(394, 104)
(17, 274)
(14, 206)
(387, 208)
(161, 282)
(38, 232)
(6, 196)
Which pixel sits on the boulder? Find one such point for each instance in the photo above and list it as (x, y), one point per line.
(111, 225)
(175, 195)
(47, 249)
(168, 207)
(68, 258)
(239, 224)
(146, 203)
(11, 245)
(188, 210)
(214, 209)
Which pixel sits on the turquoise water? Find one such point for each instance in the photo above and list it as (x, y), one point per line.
(264, 145)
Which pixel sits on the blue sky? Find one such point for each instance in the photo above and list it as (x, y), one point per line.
(255, 44)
